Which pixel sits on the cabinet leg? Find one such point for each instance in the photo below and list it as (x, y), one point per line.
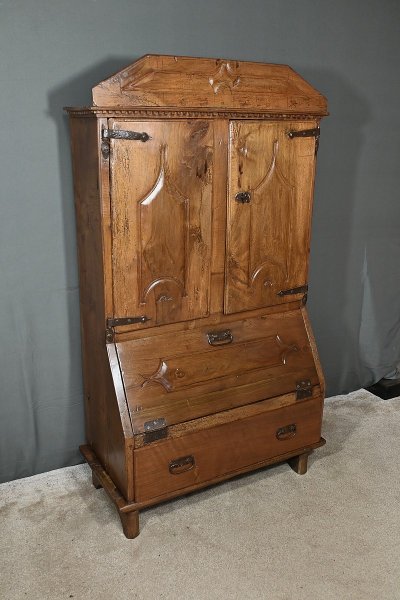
(130, 523)
(299, 463)
(95, 481)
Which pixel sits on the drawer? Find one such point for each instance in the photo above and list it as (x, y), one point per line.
(202, 456)
(211, 369)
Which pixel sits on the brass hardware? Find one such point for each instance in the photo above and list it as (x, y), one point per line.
(286, 433)
(243, 197)
(299, 290)
(155, 430)
(181, 465)
(179, 374)
(306, 133)
(220, 338)
(303, 389)
(121, 134)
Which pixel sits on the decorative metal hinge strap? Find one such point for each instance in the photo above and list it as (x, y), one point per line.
(155, 430)
(306, 133)
(292, 291)
(120, 134)
(123, 134)
(111, 323)
(303, 389)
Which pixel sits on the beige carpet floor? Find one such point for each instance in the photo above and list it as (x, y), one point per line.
(333, 533)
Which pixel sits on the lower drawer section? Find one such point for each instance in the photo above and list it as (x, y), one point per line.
(202, 456)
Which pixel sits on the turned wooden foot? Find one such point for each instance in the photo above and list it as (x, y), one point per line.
(299, 463)
(130, 523)
(95, 481)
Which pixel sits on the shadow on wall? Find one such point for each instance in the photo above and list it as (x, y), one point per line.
(74, 92)
(338, 242)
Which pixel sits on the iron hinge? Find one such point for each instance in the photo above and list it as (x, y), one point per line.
(315, 132)
(155, 430)
(303, 389)
(111, 323)
(119, 134)
(123, 134)
(303, 289)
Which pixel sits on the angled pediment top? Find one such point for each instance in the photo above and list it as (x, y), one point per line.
(186, 82)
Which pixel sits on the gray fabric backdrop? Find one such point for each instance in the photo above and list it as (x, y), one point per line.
(52, 52)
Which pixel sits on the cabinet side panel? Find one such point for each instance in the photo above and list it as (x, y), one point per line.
(104, 429)
(314, 351)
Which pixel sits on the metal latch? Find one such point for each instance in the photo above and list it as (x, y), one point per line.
(303, 389)
(155, 430)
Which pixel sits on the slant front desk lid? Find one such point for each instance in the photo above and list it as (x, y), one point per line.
(173, 380)
(186, 82)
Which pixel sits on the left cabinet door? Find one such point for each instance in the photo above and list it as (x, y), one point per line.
(161, 196)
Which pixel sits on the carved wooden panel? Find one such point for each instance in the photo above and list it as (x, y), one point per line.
(161, 193)
(267, 233)
(187, 377)
(175, 372)
(182, 81)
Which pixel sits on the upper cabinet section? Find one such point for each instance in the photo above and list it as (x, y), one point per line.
(156, 81)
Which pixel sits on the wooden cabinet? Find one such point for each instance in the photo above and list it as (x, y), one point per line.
(193, 187)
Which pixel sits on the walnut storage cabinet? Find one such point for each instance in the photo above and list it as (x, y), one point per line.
(193, 182)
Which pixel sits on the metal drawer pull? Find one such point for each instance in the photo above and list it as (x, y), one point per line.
(181, 465)
(220, 338)
(287, 432)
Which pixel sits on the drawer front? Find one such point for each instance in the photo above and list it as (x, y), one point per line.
(240, 362)
(202, 456)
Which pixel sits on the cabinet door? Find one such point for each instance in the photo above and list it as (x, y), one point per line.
(161, 192)
(268, 228)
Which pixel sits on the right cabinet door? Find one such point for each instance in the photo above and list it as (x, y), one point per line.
(270, 190)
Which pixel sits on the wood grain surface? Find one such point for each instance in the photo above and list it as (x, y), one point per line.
(224, 449)
(197, 227)
(183, 81)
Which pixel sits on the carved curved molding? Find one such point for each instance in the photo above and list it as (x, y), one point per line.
(266, 265)
(273, 176)
(273, 170)
(163, 179)
(163, 184)
(160, 281)
(286, 349)
(158, 377)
